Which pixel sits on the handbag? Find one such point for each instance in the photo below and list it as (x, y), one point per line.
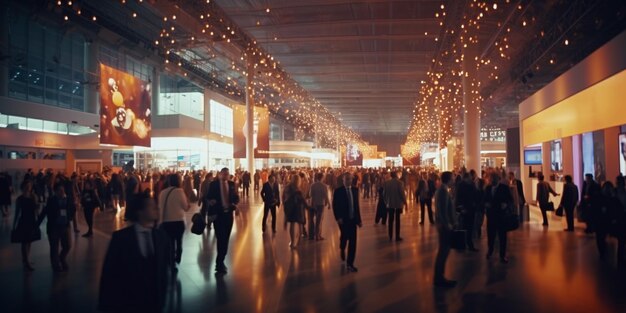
(559, 211)
(199, 224)
(457, 239)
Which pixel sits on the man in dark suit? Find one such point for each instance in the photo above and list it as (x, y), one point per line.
(137, 265)
(59, 212)
(271, 199)
(348, 216)
(466, 205)
(497, 200)
(222, 198)
(591, 199)
(569, 200)
(425, 191)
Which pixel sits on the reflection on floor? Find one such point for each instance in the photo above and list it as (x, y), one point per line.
(550, 271)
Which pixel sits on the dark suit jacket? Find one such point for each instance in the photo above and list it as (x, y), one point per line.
(52, 211)
(341, 205)
(270, 194)
(569, 199)
(216, 194)
(497, 200)
(123, 284)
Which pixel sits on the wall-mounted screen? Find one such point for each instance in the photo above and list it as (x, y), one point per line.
(532, 157)
(556, 156)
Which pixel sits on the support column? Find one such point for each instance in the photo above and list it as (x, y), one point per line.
(207, 125)
(250, 117)
(567, 156)
(546, 159)
(92, 69)
(4, 51)
(471, 118)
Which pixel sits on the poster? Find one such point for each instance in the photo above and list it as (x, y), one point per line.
(354, 157)
(599, 156)
(261, 133)
(124, 109)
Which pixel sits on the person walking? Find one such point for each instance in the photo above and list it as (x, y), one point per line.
(173, 205)
(497, 201)
(245, 183)
(136, 268)
(425, 191)
(543, 197)
(25, 222)
(348, 216)
(89, 200)
(222, 199)
(466, 206)
(319, 200)
(271, 199)
(294, 205)
(444, 221)
(59, 213)
(395, 199)
(569, 200)
(519, 189)
(381, 207)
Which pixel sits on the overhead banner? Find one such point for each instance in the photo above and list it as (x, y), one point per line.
(125, 103)
(261, 132)
(354, 156)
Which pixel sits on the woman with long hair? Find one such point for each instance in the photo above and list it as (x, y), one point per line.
(294, 204)
(25, 225)
(172, 207)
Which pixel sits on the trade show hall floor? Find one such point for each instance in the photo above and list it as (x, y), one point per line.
(549, 271)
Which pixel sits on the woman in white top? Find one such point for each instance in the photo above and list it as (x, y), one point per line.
(172, 207)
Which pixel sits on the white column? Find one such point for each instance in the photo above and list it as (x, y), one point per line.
(250, 117)
(471, 119)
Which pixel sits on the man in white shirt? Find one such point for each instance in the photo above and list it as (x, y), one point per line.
(319, 200)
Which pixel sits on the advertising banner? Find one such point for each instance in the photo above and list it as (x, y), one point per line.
(261, 135)
(124, 109)
(354, 157)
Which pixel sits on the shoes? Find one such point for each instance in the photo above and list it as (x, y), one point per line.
(544, 224)
(504, 260)
(88, 234)
(343, 255)
(421, 222)
(445, 283)
(399, 239)
(352, 269)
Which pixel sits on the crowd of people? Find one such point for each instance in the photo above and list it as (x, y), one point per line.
(155, 205)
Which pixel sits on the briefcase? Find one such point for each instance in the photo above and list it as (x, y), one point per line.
(458, 239)
(199, 224)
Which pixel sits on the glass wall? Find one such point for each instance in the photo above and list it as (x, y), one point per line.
(220, 155)
(221, 119)
(46, 64)
(180, 96)
(33, 124)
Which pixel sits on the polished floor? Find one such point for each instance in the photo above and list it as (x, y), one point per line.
(550, 271)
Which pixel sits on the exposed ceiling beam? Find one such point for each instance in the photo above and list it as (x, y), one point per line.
(349, 22)
(310, 39)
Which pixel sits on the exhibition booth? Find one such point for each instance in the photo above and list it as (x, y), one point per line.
(575, 125)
